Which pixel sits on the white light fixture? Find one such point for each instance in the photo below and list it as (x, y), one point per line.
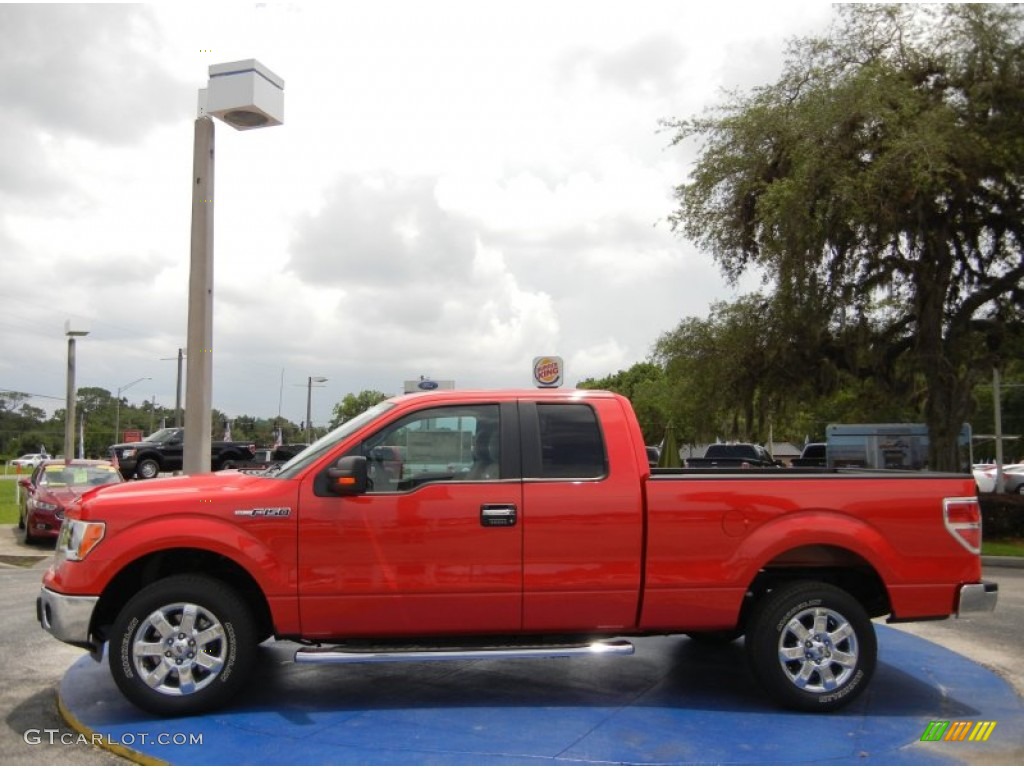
(244, 94)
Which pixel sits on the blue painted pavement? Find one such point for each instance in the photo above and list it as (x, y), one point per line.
(674, 702)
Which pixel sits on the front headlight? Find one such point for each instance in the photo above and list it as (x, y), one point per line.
(127, 453)
(44, 505)
(79, 537)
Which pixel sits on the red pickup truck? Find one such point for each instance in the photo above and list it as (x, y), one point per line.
(521, 524)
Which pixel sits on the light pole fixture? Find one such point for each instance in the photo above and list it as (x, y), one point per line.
(69, 413)
(117, 408)
(245, 95)
(309, 402)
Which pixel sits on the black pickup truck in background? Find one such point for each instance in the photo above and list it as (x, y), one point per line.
(264, 458)
(734, 455)
(813, 455)
(163, 450)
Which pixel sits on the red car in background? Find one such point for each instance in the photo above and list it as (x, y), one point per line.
(52, 486)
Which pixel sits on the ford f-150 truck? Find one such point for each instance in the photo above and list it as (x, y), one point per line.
(518, 524)
(163, 451)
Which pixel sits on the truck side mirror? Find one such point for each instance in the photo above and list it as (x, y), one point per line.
(349, 476)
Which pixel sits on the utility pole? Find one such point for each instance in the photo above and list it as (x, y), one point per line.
(177, 389)
(72, 394)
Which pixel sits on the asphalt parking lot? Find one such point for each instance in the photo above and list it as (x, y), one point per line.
(673, 702)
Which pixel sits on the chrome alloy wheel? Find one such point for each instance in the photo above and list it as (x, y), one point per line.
(179, 649)
(818, 650)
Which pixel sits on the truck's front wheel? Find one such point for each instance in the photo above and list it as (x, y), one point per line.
(147, 469)
(182, 645)
(812, 646)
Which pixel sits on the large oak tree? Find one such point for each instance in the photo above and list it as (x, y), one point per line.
(885, 167)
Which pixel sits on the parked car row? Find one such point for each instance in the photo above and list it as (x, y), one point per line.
(1013, 478)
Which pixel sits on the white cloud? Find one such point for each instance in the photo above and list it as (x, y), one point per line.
(457, 188)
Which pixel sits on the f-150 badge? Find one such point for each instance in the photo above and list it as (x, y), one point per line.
(264, 512)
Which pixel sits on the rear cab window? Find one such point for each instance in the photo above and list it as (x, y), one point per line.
(569, 442)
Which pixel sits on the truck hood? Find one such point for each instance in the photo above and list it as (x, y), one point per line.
(177, 494)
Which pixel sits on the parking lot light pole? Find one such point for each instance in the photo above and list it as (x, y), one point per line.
(69, 413)
(245, 95)
(117, 408)
(309, 403)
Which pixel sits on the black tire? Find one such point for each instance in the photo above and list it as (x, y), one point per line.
(147, 469)
(811, 646)
(226, 461)
(26, 534)
(209, 621)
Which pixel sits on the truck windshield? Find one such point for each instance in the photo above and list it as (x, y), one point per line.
(161, 435)
(313, 453)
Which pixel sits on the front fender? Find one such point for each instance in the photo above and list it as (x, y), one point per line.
(268, 556)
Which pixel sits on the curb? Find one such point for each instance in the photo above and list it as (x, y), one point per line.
(1003, 561)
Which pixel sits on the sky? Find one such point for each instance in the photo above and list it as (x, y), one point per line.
(458, 187)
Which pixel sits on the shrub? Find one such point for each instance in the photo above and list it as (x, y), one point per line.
(1002, 515)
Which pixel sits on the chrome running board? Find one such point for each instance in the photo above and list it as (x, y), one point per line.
(341, 654)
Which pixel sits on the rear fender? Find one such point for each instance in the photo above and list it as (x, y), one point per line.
(769, 544)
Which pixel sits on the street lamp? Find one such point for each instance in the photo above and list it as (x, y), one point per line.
(245, 95)
(69, 414)
(309, 402)
(117, 408)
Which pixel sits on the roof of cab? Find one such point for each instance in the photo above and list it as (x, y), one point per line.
(506, 394)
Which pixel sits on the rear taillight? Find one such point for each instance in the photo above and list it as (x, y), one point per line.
(963, 520)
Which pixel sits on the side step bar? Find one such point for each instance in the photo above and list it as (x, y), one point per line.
(367, 654)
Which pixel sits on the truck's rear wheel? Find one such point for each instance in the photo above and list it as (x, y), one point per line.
(182, 645)
(812, 646)
(226, 461)
(147, 469)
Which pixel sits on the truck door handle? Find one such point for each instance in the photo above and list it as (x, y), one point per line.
(497, 515)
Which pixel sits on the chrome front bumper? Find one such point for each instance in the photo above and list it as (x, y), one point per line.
(66, 617)
(977, 598)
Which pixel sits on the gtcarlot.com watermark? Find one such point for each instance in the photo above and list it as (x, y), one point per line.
(52, 736)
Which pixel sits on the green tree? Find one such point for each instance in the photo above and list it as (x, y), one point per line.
(884, 165)
(744, 371)
(646, 387)
(352, 405)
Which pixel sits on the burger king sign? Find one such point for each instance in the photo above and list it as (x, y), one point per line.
(547, 371)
